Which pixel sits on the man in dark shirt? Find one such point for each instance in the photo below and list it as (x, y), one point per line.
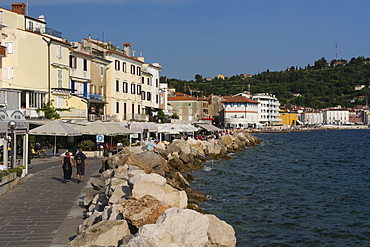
(80, 161)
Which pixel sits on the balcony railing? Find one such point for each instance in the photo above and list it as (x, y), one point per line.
(53, 32)
(45, 30)
(96, 96)
(36, 30)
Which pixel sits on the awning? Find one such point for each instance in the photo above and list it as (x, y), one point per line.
(55, 128)
(208, 127)
(98, 128)
(175, 128)
(138, 127)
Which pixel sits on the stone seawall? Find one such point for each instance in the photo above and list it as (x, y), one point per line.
(143, 198)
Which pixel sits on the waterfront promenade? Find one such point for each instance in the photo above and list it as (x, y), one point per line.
(42, 210)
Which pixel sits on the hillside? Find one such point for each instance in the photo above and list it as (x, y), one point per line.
(321, 85)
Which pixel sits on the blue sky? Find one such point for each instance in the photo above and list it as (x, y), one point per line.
(209, 37)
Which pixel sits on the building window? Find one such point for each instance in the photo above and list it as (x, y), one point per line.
(36, 100)
(180, 104)
(133, 86)
(156, 99)
(117, 107)
(59, 52)
(125, 87)
(116, 64)
(138, 71)
(30, 26)
(9, 47)
(148, 81)
(138, 109)
(142, 80)
(123, 66)
(85, 64)
(9, 73)
(148, 96)
(72, 62)
(101, 71)
(133, 69)
(101, 90)
(60, 78)
(189, 104)
(156, 82)
(143, 95)
(138, 90)
(117, 85)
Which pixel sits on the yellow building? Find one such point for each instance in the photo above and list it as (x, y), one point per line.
(288, 119)
(36, 62)
(2, 48)
(132, 86)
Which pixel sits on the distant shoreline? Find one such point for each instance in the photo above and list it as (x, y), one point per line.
(322, 128)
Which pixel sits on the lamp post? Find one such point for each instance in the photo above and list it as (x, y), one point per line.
(12, 124)
(49, 87)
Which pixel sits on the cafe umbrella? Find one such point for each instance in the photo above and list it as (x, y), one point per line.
(55, 128)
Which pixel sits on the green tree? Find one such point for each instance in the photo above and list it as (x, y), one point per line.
(198, 78)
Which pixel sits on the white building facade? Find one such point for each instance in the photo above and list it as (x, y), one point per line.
(241, 112)
(337, 117)
(269, 109)
(311, 117)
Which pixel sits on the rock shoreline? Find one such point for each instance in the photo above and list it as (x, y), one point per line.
(144, 199)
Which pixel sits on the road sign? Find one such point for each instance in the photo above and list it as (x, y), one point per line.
(99, 138)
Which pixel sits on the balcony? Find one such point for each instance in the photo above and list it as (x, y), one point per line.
(95, 96)
(45, 30)
(36, 30)
(2, 51)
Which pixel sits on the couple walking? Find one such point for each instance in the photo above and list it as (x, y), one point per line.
(79, 162)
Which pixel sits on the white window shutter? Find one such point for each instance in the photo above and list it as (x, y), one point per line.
(60, 78)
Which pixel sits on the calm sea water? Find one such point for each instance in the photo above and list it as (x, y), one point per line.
(294, 189)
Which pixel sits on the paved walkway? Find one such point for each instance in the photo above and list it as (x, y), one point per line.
(43, 211)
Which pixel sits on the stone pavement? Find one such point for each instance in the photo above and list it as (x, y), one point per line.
(43, 211)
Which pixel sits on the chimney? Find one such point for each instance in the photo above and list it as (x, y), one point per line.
(42, 18)
(19, 8)
(141, 58)
(127, 49)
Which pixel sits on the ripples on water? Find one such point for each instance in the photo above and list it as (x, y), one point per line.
(294, 189)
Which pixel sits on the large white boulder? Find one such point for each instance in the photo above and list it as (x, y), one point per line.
(220, 233)
(166, 193)
(152, 177)
(104, 233)
(176, 227)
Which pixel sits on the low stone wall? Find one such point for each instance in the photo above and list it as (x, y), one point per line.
(143, 198)
(8, 182)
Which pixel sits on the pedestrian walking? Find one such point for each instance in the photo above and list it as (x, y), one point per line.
(80, 163)
(67, 164)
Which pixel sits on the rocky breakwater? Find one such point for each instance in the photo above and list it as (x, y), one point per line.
(144, 199)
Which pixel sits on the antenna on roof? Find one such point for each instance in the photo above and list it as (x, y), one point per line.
(336, 49)
(27, 7)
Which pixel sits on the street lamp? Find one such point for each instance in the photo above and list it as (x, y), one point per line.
(12, 124)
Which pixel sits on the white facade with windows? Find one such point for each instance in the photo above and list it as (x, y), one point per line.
(336, 117)
(241, 112)
(311, 117)
(270, 108)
